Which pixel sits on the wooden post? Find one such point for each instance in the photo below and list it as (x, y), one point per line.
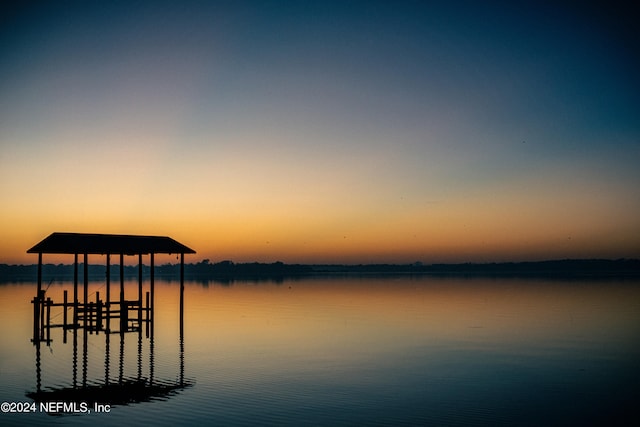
(39, 272)
(48, 321)
(86, 284)
(121, 358)
(98, 313)
(38, 368)
(107, 355)
(152, 277)
(140, 352)
(123, 310)
(124, 316)
(40, 304)
(121, 278)
(140, 292)
(108, 279)
(181, 294)
(74, 362)
(151, 355)
(41, 298)
(64, 317)
(85, 360)
(140, 278)
(108, 302)
(151, 344)
(182, 319)
(75, 290)
(152, 286)
(64, 309)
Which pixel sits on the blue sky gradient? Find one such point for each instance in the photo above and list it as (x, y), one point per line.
(324, 131)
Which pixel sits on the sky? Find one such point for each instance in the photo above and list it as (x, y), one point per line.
(324, 132)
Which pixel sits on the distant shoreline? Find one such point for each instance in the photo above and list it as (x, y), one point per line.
(228, 270)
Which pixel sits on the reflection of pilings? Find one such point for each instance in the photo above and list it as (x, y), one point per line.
(41, 314)
(84, 357)
(75, 358)
(121, 359)
(140, 353)
(151, 351)
(181, 360)
(38, 367)
(107, 355)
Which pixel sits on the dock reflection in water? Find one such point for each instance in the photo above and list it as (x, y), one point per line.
(123, 319)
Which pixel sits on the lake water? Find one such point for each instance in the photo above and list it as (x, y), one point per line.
(346, 351)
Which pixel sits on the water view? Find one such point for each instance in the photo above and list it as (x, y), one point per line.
(349, 350)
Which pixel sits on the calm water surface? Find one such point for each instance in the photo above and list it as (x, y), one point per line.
(349, 351)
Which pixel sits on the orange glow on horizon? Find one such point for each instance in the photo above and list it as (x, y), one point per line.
(465, 228)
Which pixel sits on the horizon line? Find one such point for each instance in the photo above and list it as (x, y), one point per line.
(207, 261)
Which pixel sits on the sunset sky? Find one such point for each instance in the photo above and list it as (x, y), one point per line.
(318, 131)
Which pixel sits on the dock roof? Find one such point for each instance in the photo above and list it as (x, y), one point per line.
(83, 243)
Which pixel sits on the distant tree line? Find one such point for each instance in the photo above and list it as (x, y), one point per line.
(198, 271)
(588, 267)
(228, 270)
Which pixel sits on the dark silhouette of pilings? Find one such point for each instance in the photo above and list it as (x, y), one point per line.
(92, 314)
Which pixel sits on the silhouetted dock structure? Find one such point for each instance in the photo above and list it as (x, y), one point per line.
(97, 315)
(109, 316)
